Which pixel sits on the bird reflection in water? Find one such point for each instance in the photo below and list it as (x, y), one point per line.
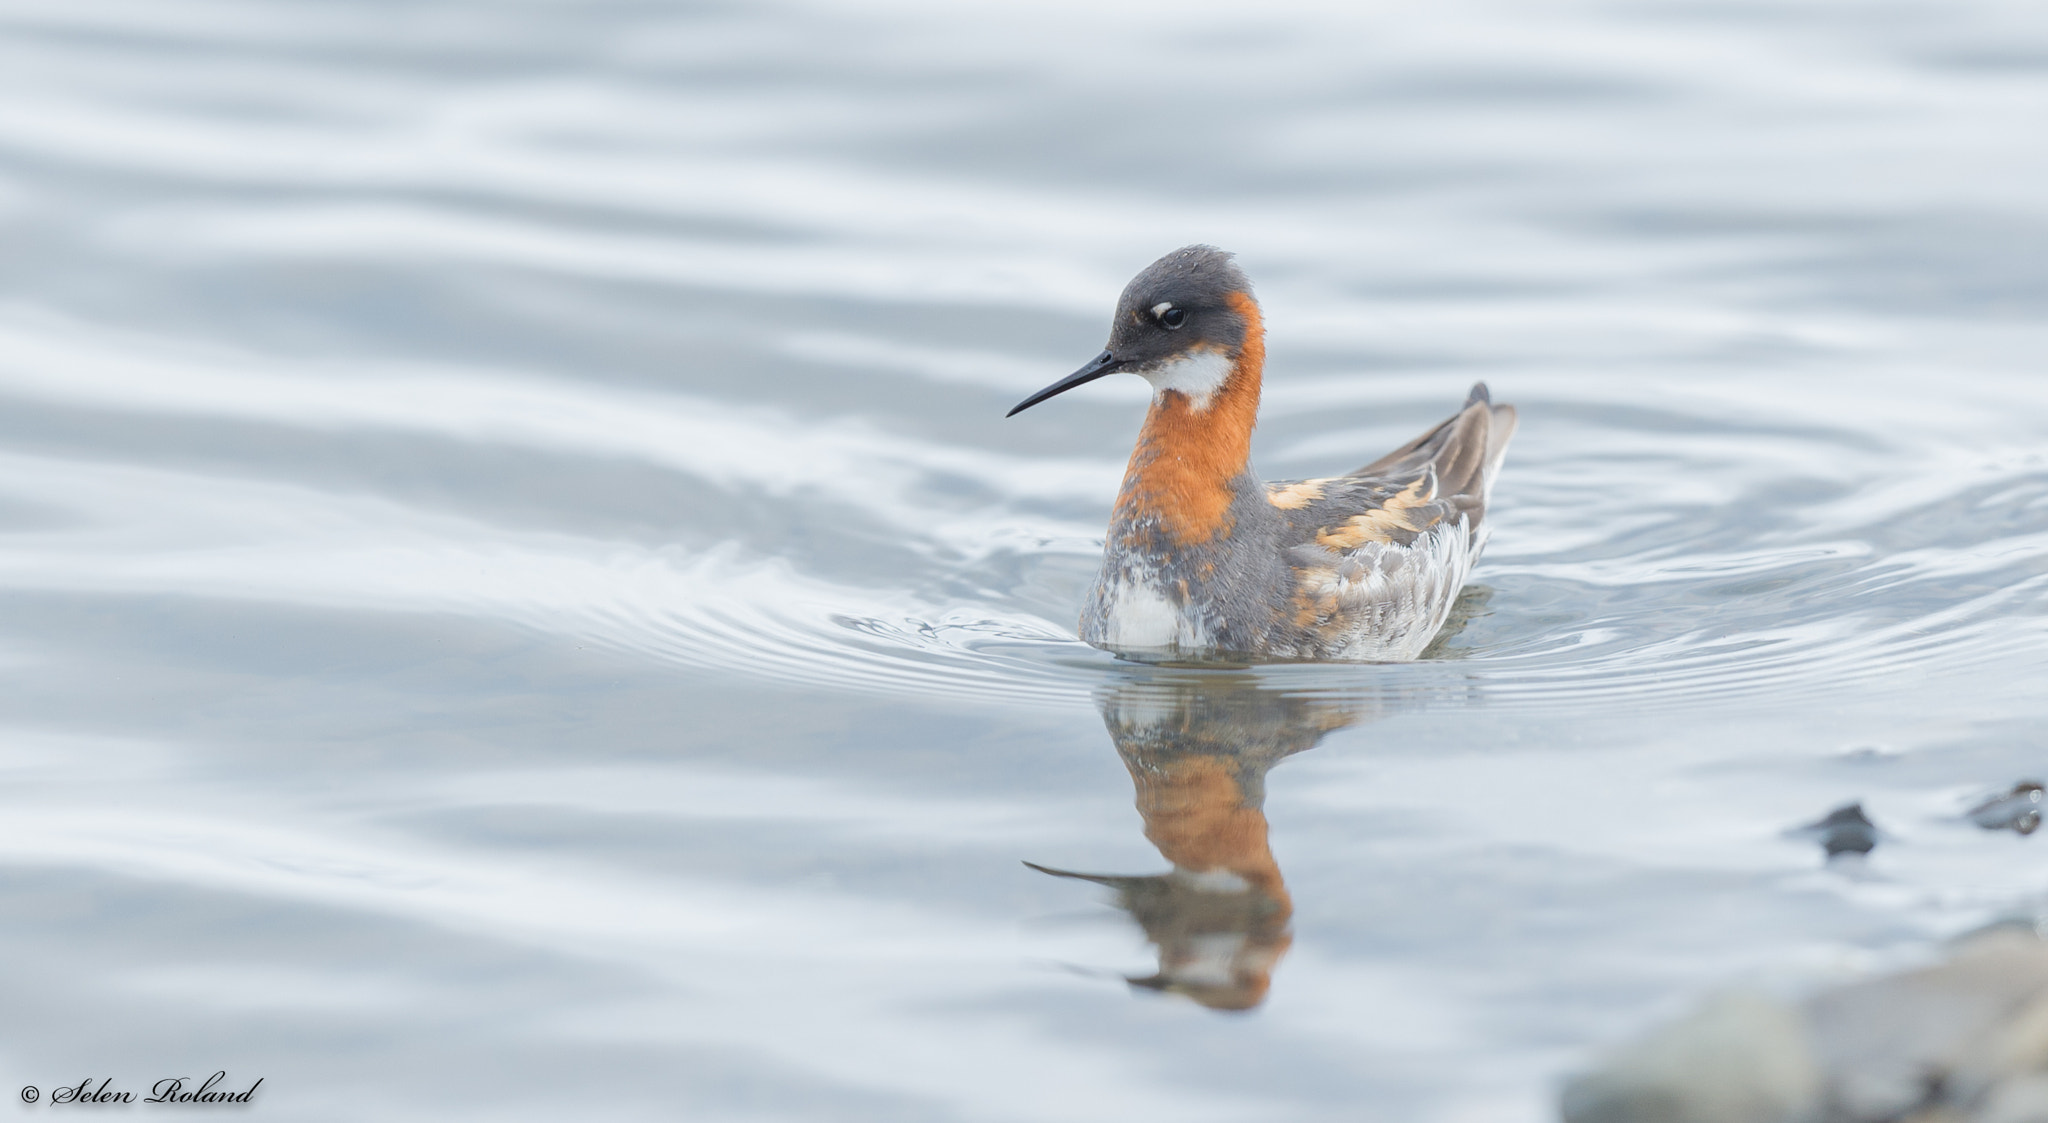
(1198, 749)
(1198, 744)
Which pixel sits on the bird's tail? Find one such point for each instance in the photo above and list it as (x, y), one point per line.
(1465, 451)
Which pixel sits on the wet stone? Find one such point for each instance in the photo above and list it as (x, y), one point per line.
(1965, 1041)
(1845, 830)
(2018, 810)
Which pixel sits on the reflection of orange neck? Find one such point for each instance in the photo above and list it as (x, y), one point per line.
(1195, 813)
(1181, 470)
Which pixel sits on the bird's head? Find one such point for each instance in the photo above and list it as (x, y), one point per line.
(1183, 325)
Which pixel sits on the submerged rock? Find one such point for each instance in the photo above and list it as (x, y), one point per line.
(1845, 830)
(2018, 810)
(1962, 1042)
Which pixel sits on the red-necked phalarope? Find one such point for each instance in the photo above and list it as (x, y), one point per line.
(1203, 558)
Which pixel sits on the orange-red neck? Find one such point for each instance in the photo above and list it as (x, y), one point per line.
(1189, 452)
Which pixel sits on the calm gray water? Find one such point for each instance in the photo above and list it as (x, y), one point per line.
(518, 599)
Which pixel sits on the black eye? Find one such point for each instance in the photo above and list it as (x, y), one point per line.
(1174, 317)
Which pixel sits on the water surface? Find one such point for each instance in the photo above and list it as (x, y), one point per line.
(519, 598)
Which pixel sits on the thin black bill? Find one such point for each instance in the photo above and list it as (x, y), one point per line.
(1098, 366)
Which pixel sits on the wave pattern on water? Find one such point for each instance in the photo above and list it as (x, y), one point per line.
(1705, 546)
(1697, 560)
(341, 340)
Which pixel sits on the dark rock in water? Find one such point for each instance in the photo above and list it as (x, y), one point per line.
(2018, 810)
(1846, 830)
(1962, 1042)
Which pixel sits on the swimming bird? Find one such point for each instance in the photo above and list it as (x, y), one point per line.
(1203, 559)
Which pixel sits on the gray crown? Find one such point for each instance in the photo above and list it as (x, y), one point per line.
(1197, 280)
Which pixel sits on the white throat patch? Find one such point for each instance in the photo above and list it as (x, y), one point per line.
(1198, 374)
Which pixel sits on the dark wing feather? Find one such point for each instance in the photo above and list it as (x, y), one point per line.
(1438, 476)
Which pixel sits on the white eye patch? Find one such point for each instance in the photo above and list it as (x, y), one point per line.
(1160, 308)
